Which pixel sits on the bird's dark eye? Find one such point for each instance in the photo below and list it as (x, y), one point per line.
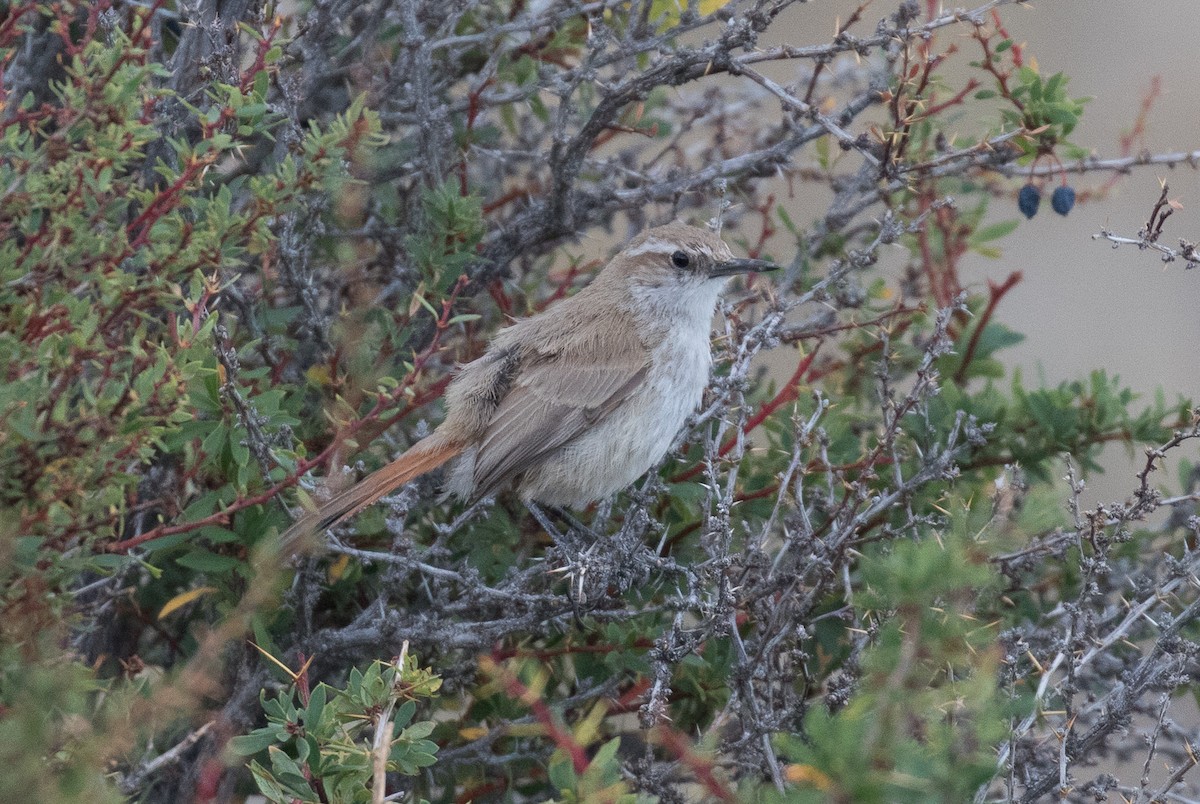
(680, 260)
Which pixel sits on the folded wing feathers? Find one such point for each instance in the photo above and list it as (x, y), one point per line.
(551, 404)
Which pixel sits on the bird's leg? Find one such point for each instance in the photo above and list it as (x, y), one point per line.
(544, 520)
(574, 526)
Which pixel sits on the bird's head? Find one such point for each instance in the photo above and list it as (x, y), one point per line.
(682, 256)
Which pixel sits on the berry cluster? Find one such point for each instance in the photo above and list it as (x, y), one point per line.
(1030, 198)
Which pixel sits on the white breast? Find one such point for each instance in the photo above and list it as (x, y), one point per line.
(635, 436)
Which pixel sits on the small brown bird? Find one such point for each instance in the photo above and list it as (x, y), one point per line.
(575, 403)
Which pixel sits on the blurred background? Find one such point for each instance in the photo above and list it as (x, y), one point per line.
(1083, 305)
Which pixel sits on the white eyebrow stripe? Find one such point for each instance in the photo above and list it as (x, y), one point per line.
(656, 245)
(652, 245)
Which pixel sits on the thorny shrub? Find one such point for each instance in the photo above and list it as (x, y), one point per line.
(240, 251)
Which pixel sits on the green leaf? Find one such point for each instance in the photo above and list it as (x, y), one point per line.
(562, 774)
(403, 716)
(316, 709)
(287, 772)
(994, 232)
(266, 783)
(255, 741)
(205, 561)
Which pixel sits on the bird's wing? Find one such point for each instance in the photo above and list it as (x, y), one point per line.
(552, 400)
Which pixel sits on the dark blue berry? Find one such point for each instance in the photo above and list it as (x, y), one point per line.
(1028, 200)
(1062, 200)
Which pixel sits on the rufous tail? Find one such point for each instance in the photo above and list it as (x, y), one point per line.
(426, 455)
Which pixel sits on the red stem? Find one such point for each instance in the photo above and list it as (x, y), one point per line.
(678, 745)
(382, 403)
(540, 711)
(995, 294)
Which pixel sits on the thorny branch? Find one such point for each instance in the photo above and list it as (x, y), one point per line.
(571, 158)
(1081, 658)
(1148, 235)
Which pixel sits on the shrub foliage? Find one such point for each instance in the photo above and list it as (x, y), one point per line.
(241, 251)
